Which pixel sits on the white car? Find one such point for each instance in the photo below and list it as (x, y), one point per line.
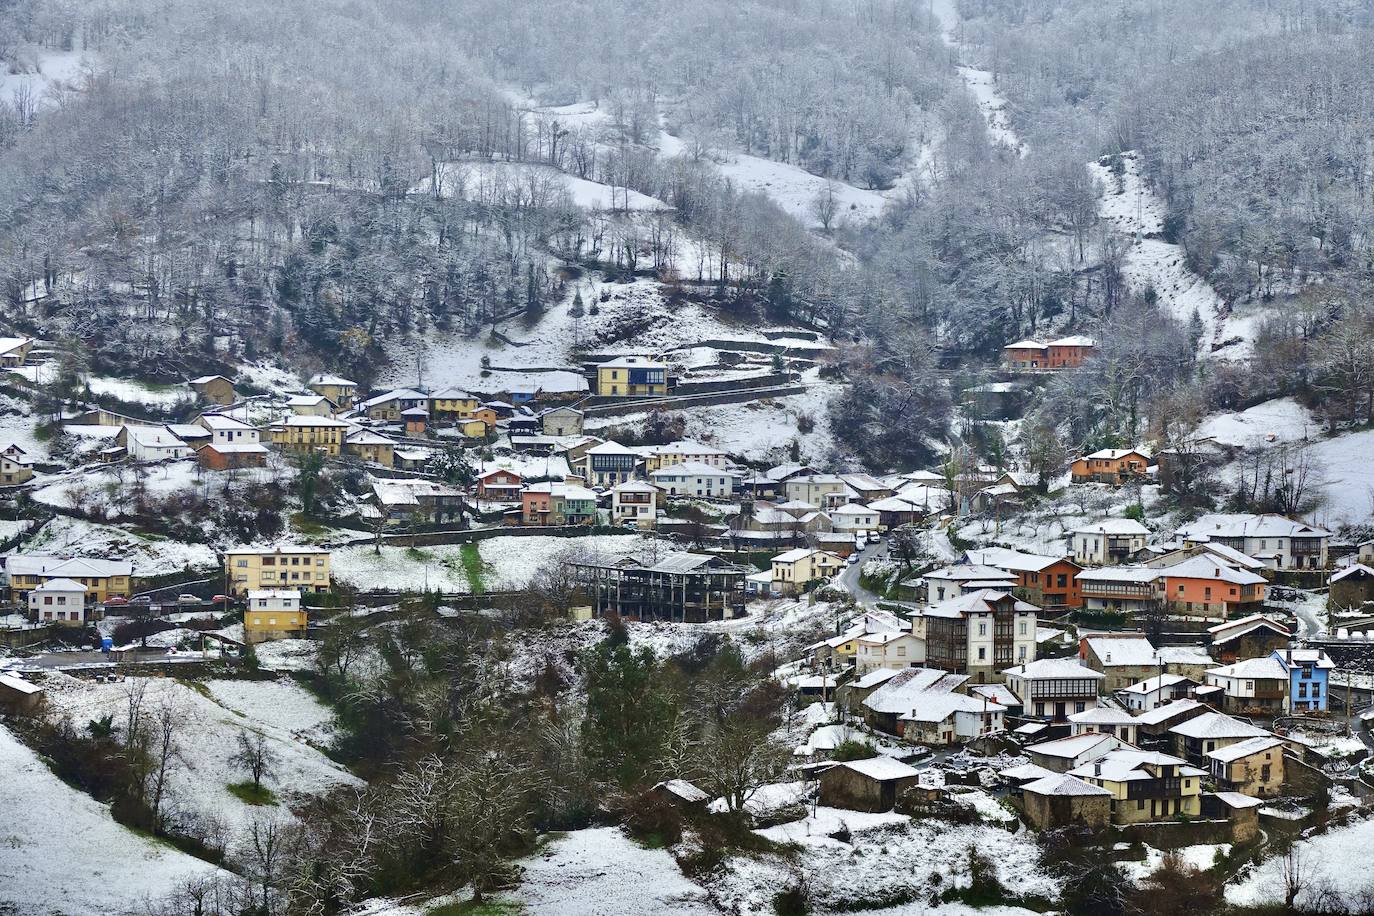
(874, 537)
(187, 599)
(851, 559)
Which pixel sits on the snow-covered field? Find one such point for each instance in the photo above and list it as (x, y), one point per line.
(510, 562)
(136, 392)
(208, 738)
(64, 536)
(61, 852)
(602, 872)
(36, 74)
(1280, 420)
(1347, 477)
(282, 704)
(486, 182)
(794, 189)
(1336, 860)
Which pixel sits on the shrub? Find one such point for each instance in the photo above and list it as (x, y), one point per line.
(852, 749)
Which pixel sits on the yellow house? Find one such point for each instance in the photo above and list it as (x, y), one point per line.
(452, 404)
(273, 613)
(103, 579)
(631, 376)
(1145, 785)
(213, 389)
(15, 467)
(476, 428)
(14, 351)
(343, 392)
(795, 569)
(371, 447)
(310, 405)
(308, 434)
(250, 569)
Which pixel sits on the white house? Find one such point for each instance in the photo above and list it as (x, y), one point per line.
(1104, 720)
(61, 601)
(634, 501)
(152, 443)
(1109, 542)
(693, 479)
(854, 518)
(951, 718)
(685, 452)
(225, 430)
(1154, 692)
(1055, 688)
(1252, 685)
(891, 649)
(1278, 542)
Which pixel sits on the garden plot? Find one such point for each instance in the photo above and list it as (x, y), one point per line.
(61, 852)
(1334, 862)
(208, 737)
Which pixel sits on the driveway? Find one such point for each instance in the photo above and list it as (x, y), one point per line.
(849, 578)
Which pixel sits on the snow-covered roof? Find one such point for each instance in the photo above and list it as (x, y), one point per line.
(1205, 568)
(1215, 725)
(1315, 657)
(1025, 772)
(8, 344)
(684, 790)
(692, 468)
(1359, 568)
(937, 707)
(1063, 784)
(367, 437)
(966, 572)
(337, 381)
(1182, 655)
(1010, 560)
(17, 684)
(1115, 454)
(1127, 526)
(979, 602)
(1129, 765)
(899, 695)
(1122, 650)
(851, 509)
(880, 768)
(1234, 629)
(610, 447)
(801, 553)
(71, 567)
(1238, 800)
(1168, 711)
(222, 422)
(1027, 345)
(307, 420)
(875, 677)
(1000, 693)
(1075, 340)
(1102, 715)
(1158, 682)
(1137, 574)
(61, 585)
(1073, 746)
(626, 362)
(1253, 669)
(306, 400)
(203, 380)
(1045, 669)
(1255, 745)
(154, 437)
(1237, 525)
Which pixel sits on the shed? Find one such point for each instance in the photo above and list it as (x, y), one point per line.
(679, 793)
(1062, 800)
(18, 696)
(874, 784)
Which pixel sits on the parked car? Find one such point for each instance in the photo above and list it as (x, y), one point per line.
(141, 599)
(874, 537)
(851, 559)
(220, 599)
(188, 599)
(116, 601)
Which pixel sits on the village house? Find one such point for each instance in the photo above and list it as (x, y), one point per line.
(632, 376)
(389, 406)
(370, 447)
(1201, 587)
(899, 695)
(1104, 720)
(1059, 800)
(1064, 754)
(233, 444)
(683, 452)
(275, 613)
(1109, 542)
(61, 601)
(894, 649)
(411, 458)
(1146, 786)
(213, 389)
(554, 503)
(979, 634)
(1000, 694)
(694, 479)
(895, 511)
(1050, 583)
(14, 351)
(1309, 673)
(683, 587)
(961, 579)
(1124, 658)
(874, 784)
(302, 435)
(608, 464)
(1156, 691)
(1252, 767)
(16, 467)
(795, 570)
(415, 421)
(1202, 733)
(853, 519)
(499, 485)
(1153, 725)
(1053, 688)
(1063, 353)
(451, 404)
(1125, 590)
(1114, 466)
(679, 793)
(634, 501)
(941, 720)
(561, 421)
(866, 487)
(341, 392)
(770, 524)
(151, 443)
(409, 501)
(1253, 686)
(840, 650)
(310, 405)
(253, 568)
(18, 697)
(1351, 588)
(102, 579)
(820, 490)
(1281, 543)
(1247, 637)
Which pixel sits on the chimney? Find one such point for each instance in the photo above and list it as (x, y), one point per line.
(1097, 767)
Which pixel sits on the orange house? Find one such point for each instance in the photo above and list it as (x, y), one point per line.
(1110, 465)
(1056, 585)
(1026, 354)
(1202, 587)
(1070, 352)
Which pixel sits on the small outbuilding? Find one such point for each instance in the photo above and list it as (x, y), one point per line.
(874, 784)
(1061, 800)
(19, 697)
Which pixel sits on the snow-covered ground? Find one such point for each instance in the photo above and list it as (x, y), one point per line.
(1280, 420)
(510, 562)
(208, 738)
(602, 872)
(64, 536)
(38, 74)
(982, 84)
(282, 704)
(487, 182)
(61, 852)
(1347, 477)
(1336, 860)
(795, 190)
(1202, 856)
(136, 392)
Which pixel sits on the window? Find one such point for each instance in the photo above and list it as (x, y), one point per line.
(1079, 706)
(982, 629)
(1023, 628)
(982, 653)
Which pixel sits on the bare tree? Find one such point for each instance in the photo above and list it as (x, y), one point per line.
(825, 205)
(163, 751)
(254, 755)
(263, 853)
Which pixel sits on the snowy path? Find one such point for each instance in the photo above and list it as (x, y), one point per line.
(981, 83)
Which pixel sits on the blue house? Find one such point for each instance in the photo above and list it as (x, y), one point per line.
(1308, 678)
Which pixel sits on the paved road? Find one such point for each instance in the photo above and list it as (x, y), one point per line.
(849, 578)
